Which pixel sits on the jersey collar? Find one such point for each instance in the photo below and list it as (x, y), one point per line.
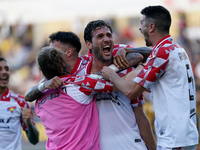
(76, 66)
(166, 38)
(6, 96)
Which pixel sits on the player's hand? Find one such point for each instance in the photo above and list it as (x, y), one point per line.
(107, 72)
(120, 59)
(26, 114)
(53, 83)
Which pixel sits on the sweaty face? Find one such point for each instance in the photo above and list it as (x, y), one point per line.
(102, 44)
(144, 30)
(4, 74)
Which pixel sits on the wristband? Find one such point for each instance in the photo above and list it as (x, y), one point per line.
(41, 87)
(113, 67)
(142, 65)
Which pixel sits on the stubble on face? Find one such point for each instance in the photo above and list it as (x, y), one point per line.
(147, 40)
(102, 44)
(4, 74)
(97, 52)
(144, 30)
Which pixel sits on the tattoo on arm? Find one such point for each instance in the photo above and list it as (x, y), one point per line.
(32, 94)
(133, 59)
(144, 51)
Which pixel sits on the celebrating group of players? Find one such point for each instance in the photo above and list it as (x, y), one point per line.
(87, 103)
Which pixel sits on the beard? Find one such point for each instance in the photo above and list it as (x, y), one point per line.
(99, 54)
(4, 86)
(147, 39)
(148, 43)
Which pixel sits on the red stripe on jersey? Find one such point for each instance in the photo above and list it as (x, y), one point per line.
(76, 65)
(11, 96)
(85, 91)
(138, 100)
(118, 46)
(129, 69)
(6, 96)
(163, 52)
(88, 84)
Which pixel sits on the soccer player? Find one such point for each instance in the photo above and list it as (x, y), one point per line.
(69, 44)
(12, 108)
(122, 122)
(69, 113)
(132, 130)
(169, 74)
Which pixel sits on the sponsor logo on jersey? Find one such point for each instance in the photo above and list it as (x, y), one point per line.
(11, 108)
(109, 96)
(49, 97)
(4, 123)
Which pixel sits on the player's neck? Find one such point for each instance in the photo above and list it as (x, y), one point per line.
(97, 65)
(71, 64)
(3, 90)
(155, 38)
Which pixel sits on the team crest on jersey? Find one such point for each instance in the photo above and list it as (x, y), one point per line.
(11, 108)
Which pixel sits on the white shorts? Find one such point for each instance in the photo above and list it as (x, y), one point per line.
(178, 148)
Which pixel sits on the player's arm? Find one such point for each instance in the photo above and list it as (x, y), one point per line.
(129, 88)
(91, 83)
(144, 127)
(134, 58)
(144, 51)
(32, 132)
(130, 57)
(34, 92)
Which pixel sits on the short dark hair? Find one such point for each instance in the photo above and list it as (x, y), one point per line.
(51, 62)
(92, 26)
(159, 15)
(2, 59)
(67, 38)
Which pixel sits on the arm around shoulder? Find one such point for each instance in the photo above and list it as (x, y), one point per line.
(32, 94)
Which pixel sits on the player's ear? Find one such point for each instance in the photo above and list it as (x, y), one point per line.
(88, 44)
(69, 52)
(152, 27)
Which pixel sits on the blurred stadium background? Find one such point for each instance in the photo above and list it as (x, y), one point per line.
(26, 24)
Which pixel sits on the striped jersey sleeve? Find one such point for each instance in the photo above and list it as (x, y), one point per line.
(155, 66)
(90, 83)
(139, 101)
(118, 46)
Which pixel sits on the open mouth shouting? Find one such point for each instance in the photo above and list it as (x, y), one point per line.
(107, 50)
(4, 79)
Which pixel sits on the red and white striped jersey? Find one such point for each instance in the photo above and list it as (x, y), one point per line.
(11, 120)
(117, 120)
(118, 46)
(169, 74)
(139, 101)
(81, 62)
(88, 84)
